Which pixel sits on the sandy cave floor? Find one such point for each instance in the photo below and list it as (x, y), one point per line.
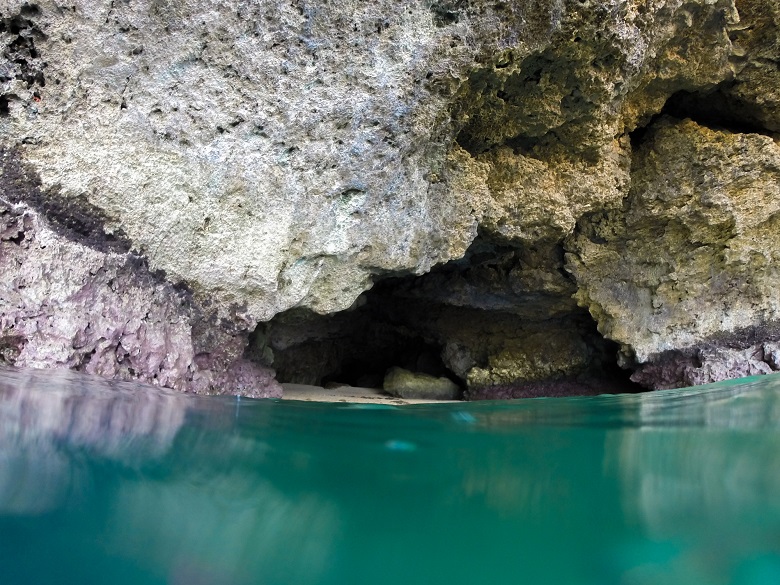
(349, 394)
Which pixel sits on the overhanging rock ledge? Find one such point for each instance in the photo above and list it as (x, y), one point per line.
(178, 174)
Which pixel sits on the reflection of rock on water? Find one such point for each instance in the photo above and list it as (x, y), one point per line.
(42, 413)
(200, 523)
(702, 465)
(243, 526)
(86, 411)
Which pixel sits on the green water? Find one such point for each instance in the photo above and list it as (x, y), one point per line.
(116, 483)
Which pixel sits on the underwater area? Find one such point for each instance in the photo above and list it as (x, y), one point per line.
(116, 482)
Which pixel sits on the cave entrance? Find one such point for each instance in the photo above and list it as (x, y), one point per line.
(367, 368)
(356, 347)
(500, 323)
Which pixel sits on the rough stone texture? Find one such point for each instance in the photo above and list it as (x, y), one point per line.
(752, 351)
(547, 128)
(272, 155)
(292, 151)
(755, 94)
(405, 384)
(693, 254)
(555, 387)
(269, 153)
(540, 199)
(707, 364)
(101, 311)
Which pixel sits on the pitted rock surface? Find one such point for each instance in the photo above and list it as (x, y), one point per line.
(274, 155)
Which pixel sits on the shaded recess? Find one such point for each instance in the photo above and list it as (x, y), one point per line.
(447, 12)
(500, 322)
(715, 108)
(73, 218)
(354, 347)
(21, 65)
(549, 96)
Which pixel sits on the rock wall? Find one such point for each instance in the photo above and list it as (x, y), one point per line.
(187, 172)
(692, 255)
(73, 296)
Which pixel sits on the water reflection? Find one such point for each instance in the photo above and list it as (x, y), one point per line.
(127, 484)
(46, 407)
(43, 414)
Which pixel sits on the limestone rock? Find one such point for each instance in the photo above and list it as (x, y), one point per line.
(531, 358)
(98, 309)
(540, 198)
(755, 94)
(704, 365)
(547, 128)
(202, 167)
(406, 384)
(692, 254)
(283, 154)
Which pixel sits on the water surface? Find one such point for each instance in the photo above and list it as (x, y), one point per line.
(122, 483)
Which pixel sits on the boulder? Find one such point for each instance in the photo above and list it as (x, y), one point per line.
(406, 384)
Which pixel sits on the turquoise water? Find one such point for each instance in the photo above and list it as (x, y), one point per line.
(119, 483)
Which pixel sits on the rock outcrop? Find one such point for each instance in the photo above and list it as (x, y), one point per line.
(73, 296)
(192, 192)
(690, 259)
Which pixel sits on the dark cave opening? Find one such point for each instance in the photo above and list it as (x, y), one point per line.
(367, 368)
(500, 323)
(714, 108)
(355, 347)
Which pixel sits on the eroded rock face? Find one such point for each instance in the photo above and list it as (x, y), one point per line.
(282, 155)
(261, 157)
(754, 96)
(693, 254)
(72, 298)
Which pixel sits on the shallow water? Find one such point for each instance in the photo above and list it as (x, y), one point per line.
(120, 483)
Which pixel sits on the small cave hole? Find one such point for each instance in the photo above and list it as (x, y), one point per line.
(715, 109)
(18, 239)
(637, 135)
(29, 9)
(444, 15)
